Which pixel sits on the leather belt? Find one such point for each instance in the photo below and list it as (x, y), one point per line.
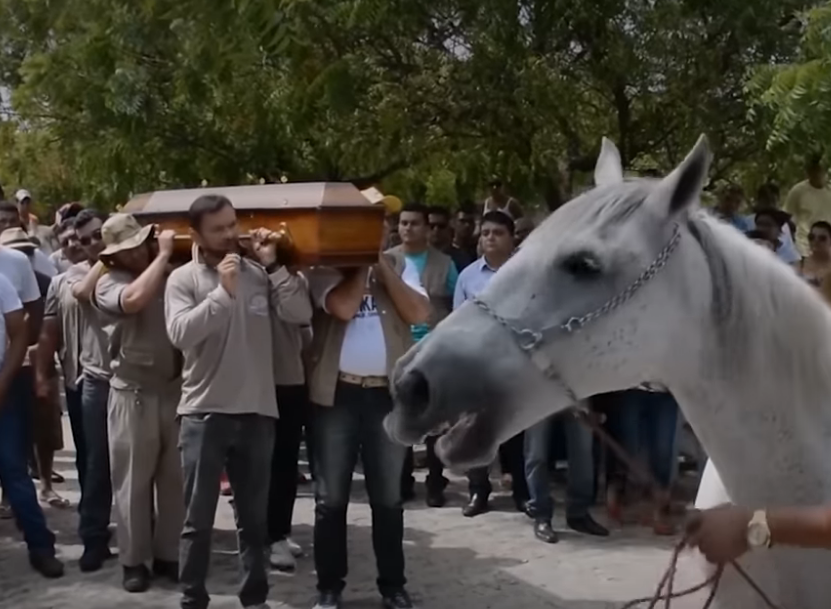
(367, 382)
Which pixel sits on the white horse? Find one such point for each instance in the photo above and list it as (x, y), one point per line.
(632, 282)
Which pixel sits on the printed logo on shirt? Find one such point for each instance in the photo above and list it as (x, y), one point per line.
(258, 304)
(368, 307)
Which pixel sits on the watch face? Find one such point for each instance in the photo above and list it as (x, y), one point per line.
(757, 535)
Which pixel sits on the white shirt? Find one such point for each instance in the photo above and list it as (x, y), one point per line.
(16, 268)
(9, 302)
(364, 350)
(42, 264)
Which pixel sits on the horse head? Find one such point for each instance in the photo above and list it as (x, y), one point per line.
(588, 304)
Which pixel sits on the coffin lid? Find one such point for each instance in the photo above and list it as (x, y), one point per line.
(298, 195)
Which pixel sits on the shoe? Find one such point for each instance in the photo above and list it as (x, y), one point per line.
(435, 499)
(478, 505)
(260, 606)
(327, 600)
(544, 532)
(281, 557)
(93, 558)
(46, 564)
(588, 526)
(397, 600)
(522, 506)
(168, 569)
(294, 547)
(136, 579)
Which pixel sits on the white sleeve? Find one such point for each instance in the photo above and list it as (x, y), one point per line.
(43, 264)
(411, 277)
(27, 283)
(9, 300)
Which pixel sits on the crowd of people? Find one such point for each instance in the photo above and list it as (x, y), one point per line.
(179, 377)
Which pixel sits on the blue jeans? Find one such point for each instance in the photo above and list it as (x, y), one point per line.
(646, 424)
(14, 472)
(353, 426)
(76, 422)
(97, 492)
(242, 444)
(579, 444)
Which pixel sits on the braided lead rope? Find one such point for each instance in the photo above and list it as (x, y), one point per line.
(668, 580)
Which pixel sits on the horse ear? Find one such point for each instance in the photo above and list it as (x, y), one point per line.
(609, 169)
(683, 186)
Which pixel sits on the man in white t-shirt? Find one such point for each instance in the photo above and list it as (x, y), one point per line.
(14, 436)
(361, 328)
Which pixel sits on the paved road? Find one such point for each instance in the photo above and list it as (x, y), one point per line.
(491, 561)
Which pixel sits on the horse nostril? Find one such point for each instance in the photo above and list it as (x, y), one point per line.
(413, 391)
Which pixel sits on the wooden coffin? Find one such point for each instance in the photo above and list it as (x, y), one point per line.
(329, 223)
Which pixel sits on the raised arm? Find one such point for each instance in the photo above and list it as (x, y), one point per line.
(190, 322)
(344, 300)
(412, 305)
(136, 296)
(83, 289)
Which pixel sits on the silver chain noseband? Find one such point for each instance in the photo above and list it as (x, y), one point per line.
(530, 340)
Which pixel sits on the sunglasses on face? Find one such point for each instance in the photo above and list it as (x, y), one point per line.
(88, 239)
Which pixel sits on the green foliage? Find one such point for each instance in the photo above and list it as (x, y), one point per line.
(428, 98)
(795, 98)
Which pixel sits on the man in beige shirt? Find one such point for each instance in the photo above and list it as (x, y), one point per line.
(96, 494)
(144, 393)
(809, 201)
(219, 310)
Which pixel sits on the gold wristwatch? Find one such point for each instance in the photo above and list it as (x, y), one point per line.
(758, 531)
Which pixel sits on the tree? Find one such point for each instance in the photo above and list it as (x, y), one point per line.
(794, 97)
(429, 98)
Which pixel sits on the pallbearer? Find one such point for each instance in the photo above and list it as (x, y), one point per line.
(219, 310)
(144, 392)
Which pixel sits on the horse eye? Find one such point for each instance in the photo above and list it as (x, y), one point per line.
(582, 265)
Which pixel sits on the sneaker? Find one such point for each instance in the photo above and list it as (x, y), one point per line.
(327, 600)
(136, 579)
(398, 600)
(294, 547)
(93, 558)
(46, 564)
(281, 557)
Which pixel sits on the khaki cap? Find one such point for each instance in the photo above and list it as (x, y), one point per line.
(122, 232)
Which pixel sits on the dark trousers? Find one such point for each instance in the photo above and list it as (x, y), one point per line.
(97, 493)
(579, 445)
(353, 427)
(646, 424)
(292, 402)
(435, 482)
(14, 474)
(76, 422)
(242, 445)
(511, 461)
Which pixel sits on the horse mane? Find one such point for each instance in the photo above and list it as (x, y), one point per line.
(766, 317)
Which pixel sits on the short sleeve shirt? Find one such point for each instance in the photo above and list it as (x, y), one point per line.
(141, 350)
(15, 266)
(9, 302)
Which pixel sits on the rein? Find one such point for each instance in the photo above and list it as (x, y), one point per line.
(531, 341)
